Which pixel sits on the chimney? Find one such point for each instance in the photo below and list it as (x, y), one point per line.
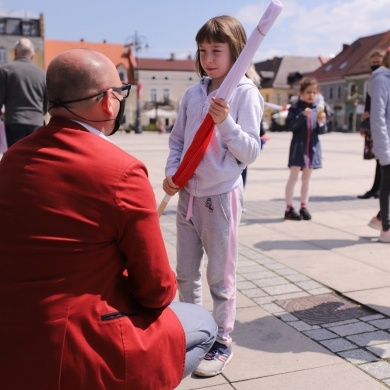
(172, 57)
(345, 46)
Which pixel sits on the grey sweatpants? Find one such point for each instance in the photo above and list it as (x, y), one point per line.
(212, 228)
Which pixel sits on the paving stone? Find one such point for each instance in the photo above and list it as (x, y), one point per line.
(371, 338)
(320, 334)
(309, 285)
(293, 295)
(255, 293)
(247, 269)
(270, 282)
(273, 308)
(286, 271)
(259, 275)
(275, 266)
(264, 300)
(338, 345)
(332, 324)
(381, 350)
(297, 278)
(286, 317)
(320, 291)
(381, 324)
(355, 328)
(282, 289)
(379, 370)
(302, 326)
(371, 318)
(245, 285)
(358, 356)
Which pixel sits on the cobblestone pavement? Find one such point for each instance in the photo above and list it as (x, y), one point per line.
(364, 341)
(274, 258)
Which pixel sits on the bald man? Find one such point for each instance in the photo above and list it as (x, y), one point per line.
(22, 92)
(86, 287)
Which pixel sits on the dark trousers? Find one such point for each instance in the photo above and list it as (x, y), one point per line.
(377, 179)
(15, 132)
(384, 197)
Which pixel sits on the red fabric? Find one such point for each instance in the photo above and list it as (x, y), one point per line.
(77, 215)
(195, 152)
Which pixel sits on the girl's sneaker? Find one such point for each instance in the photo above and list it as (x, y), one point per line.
(215, 360)
(292, 215)
(304, 213)
(375, 223)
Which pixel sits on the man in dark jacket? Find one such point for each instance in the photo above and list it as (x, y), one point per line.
(22, 92)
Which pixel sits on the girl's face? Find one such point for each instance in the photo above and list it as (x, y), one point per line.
(309, 94)
(216, 59)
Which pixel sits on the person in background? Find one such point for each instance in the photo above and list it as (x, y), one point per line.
(210, 205)
(379, 90)
(86, 288)
(306, 121)
(375, 62)
(22, 92)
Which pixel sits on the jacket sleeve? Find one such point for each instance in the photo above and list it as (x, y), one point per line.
(242, 136)
(295, 118)
(150, 277)
(379, 128)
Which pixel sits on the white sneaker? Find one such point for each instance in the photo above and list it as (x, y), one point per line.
(215, 360)
(375, 223)
(384, 236)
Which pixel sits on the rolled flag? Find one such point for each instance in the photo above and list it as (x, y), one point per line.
(198, 147)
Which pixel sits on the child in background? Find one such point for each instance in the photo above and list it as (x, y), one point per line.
(306, 121)
(210, 205)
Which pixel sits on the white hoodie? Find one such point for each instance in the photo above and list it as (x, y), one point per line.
(379, 90)
(235, 142)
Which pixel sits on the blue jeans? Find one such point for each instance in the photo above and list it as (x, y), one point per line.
(384, 197)
(200, 330)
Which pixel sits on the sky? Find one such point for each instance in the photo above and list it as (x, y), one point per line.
(304, 28)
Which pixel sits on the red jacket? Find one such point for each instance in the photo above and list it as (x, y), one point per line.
(77, 215)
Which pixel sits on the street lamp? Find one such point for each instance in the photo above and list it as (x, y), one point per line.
(138, 43)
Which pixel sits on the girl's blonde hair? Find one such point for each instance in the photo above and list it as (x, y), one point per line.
(221, 29)
(386, 58)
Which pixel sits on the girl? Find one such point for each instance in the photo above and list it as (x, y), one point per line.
(379, 89)
(306, 121)
(210, 205)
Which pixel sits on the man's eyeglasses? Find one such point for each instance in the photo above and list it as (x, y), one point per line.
(124, 90)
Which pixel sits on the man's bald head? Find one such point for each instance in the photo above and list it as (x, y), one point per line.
(78, 73)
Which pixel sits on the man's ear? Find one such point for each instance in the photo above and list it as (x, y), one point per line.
(107, 103)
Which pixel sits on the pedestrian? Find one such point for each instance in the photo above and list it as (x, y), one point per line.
(375, 62)
(210, 205)
(306, 121)
(86, 286)
(22, 92)
(379, 90)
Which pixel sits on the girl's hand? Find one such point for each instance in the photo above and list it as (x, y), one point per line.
(169, 186)
(321, 117)
(219, 110)
(307, 111)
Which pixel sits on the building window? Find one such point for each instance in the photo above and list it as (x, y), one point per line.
(3, 55)
(27, 28)
(2, 26)
(330, 93)
(166, 94)
(339, 92)
(153, 95)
